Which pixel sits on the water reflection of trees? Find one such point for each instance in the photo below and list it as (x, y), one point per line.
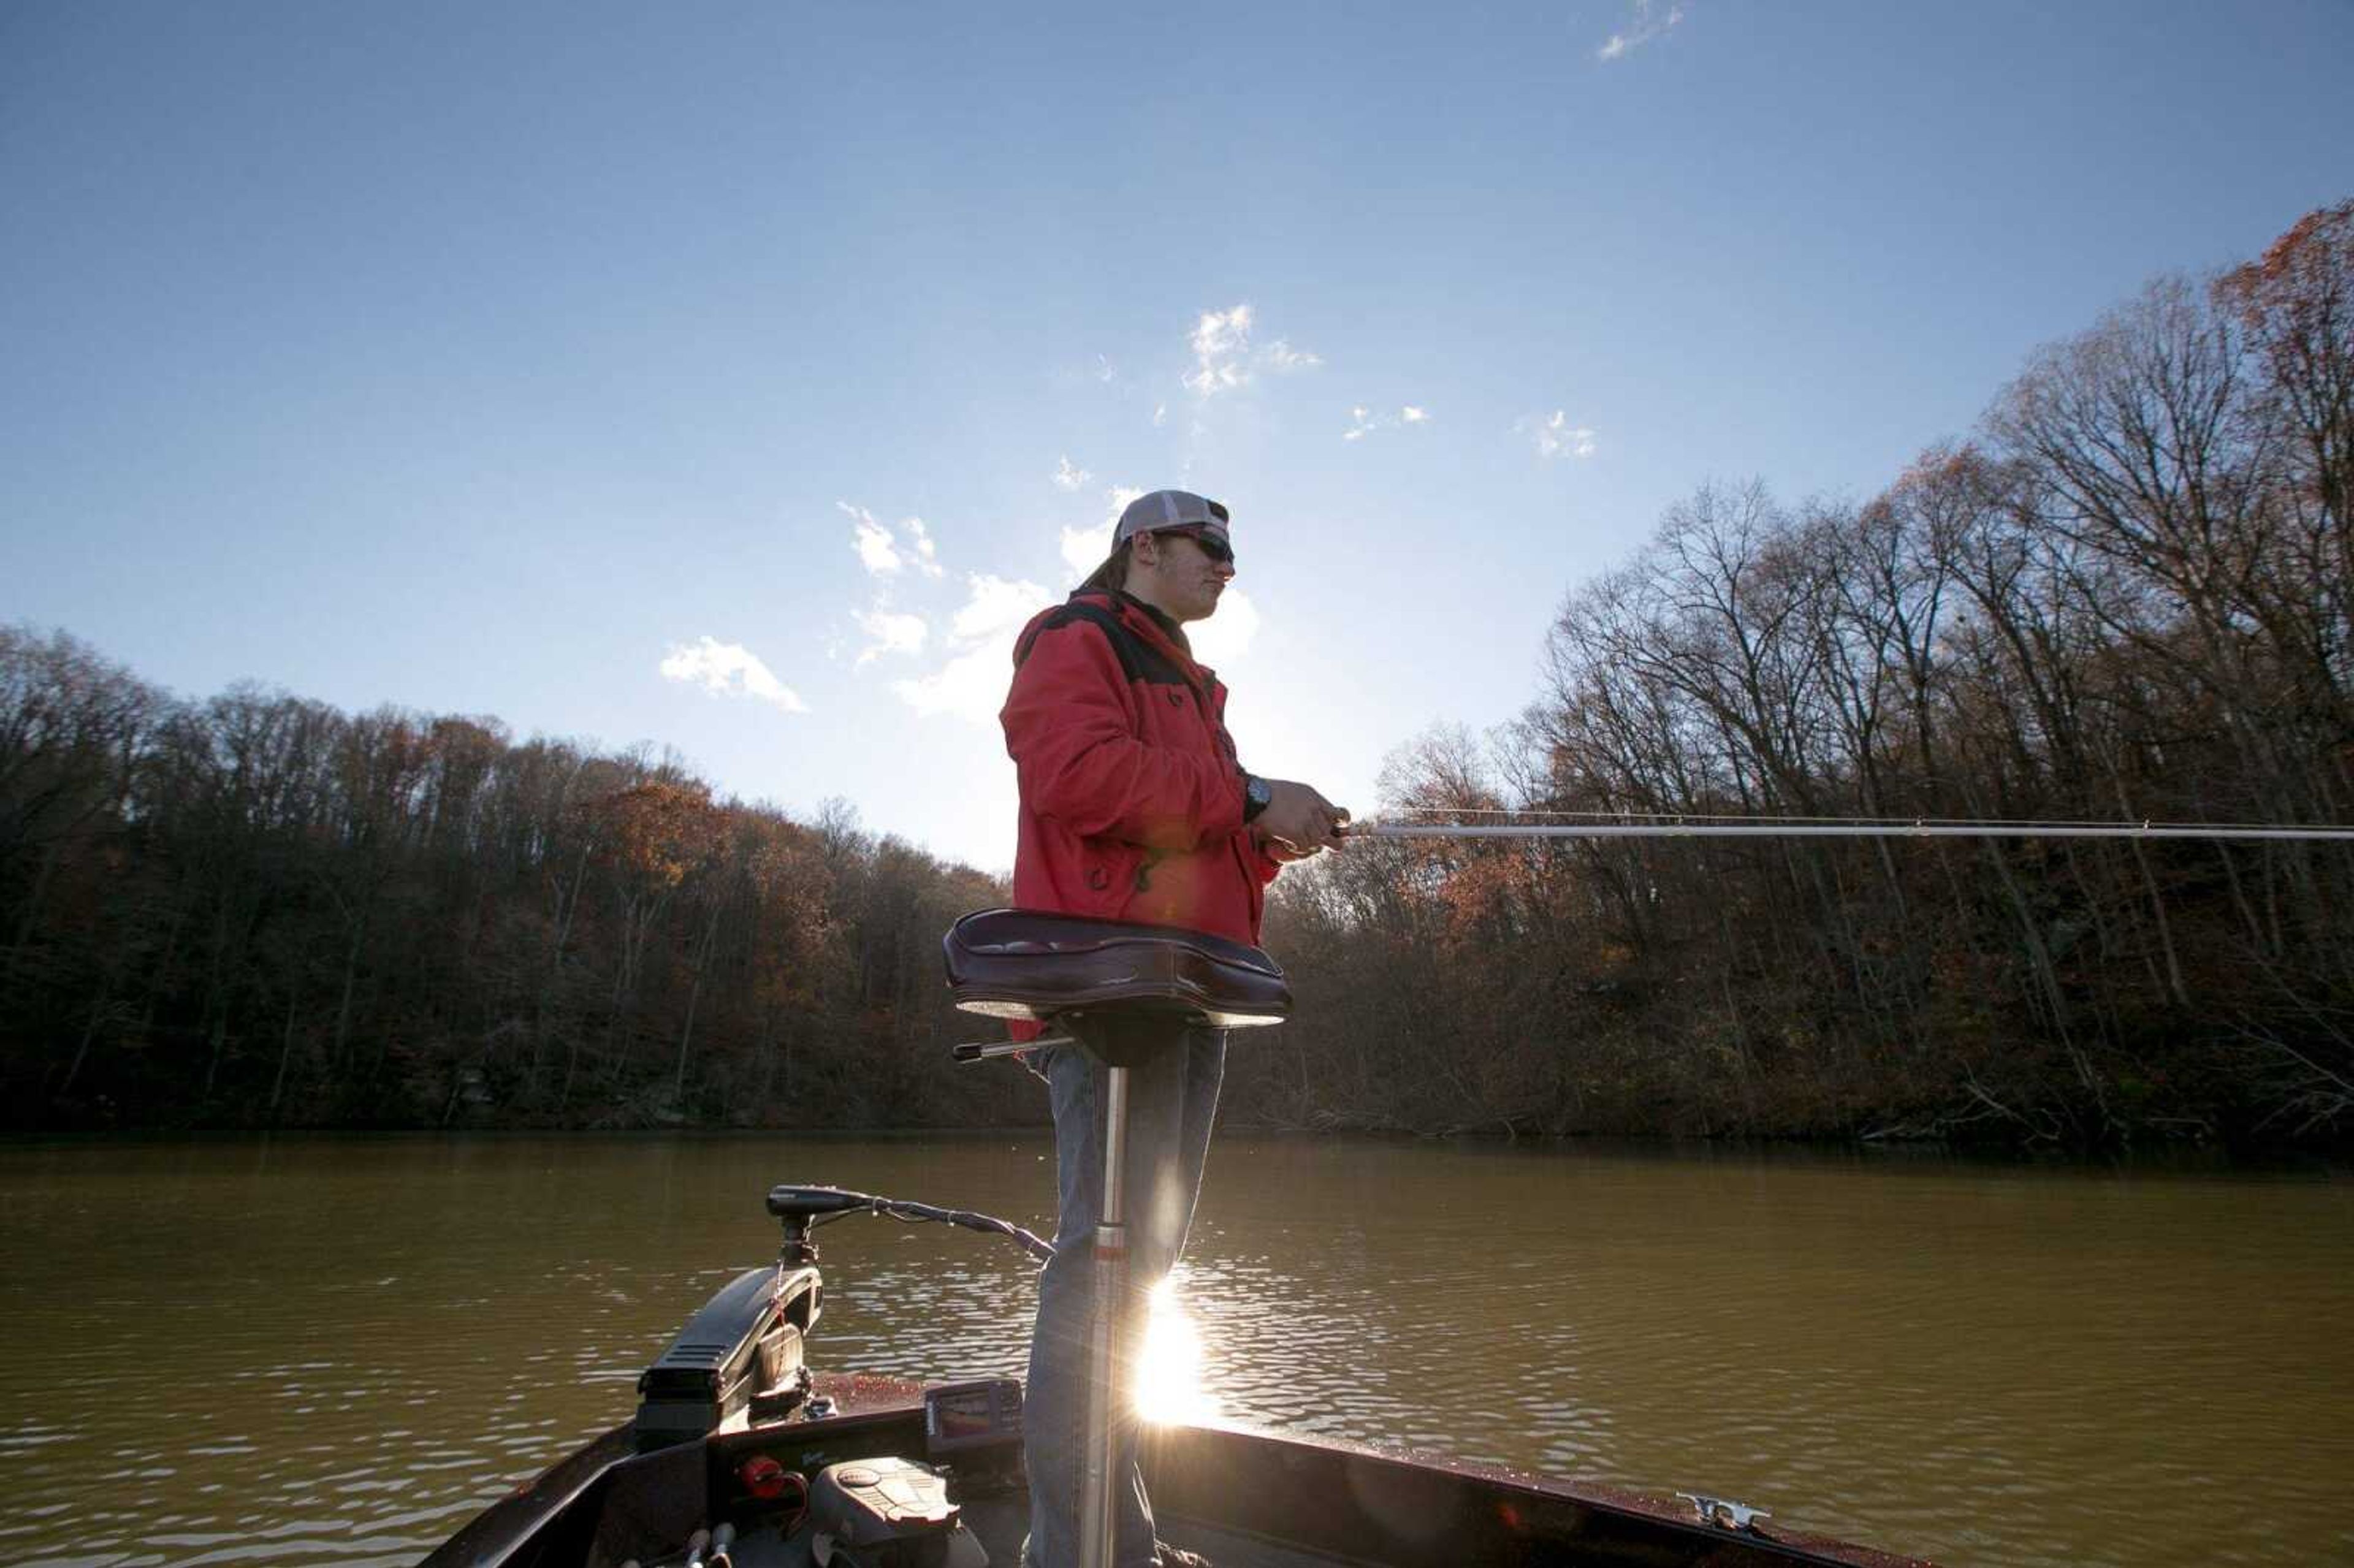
(2128, 597)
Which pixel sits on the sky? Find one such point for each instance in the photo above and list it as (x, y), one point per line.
(736, 378)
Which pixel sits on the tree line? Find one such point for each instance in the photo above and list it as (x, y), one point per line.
(2126, 596)
(257, 910)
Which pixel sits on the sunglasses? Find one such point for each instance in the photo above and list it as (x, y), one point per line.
(1217, 549)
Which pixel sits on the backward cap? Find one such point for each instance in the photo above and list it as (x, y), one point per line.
(1163, 509)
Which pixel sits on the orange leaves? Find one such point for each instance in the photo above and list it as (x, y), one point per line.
(661, 831)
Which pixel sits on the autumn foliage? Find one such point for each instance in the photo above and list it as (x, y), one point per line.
(2129, 597)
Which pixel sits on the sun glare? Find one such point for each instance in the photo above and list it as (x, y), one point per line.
(1169, 1370)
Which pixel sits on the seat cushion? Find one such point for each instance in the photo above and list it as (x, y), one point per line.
(1028, 963)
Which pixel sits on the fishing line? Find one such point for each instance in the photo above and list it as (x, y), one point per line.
(1617, 827)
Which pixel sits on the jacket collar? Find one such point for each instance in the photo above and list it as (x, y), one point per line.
(1152, 624)
(1167, 624)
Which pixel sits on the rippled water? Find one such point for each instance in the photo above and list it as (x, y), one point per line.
(325, 1351)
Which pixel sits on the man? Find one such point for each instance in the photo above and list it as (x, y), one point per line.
(1134, 807)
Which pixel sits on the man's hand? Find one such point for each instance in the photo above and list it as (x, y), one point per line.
(1299, 822)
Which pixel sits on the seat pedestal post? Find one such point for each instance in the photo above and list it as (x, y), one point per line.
(1098, 1509)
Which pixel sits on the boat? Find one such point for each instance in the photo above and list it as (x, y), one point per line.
(742, 1455)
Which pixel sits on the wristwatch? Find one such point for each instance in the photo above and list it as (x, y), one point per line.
(1257, 795)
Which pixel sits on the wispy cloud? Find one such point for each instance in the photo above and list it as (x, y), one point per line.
(1280, 356)
(1363, 421)
(1221, 341)
(1651, 21)
(994, 605)
(879, 550)
(1554, 436)
(1085, 548)
(889, 631)
(873, 542)
(971, 684)
(927, 554)
(1224, 358)
(1070, 477)
(728, 669)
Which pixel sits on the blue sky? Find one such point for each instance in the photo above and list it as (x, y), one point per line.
(735, 378)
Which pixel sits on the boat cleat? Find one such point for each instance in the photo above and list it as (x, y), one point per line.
(1724, 1511)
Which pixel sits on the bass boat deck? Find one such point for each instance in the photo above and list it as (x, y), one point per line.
(741, 1456)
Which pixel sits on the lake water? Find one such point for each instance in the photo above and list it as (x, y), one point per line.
(335, 1350)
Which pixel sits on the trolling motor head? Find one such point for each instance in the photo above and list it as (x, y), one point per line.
(799, 1208)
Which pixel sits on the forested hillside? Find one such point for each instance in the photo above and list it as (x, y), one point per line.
(2127, 598)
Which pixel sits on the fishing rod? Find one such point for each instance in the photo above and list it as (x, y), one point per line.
(1700, 826)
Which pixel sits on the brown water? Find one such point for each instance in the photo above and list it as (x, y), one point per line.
(325, 1350)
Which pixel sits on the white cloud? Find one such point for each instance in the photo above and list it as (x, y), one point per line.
(1221, 341)
(1554, 436)
(928, 555)
(728, 669)
(1649, 21)
(971, 684)
(879, 550)
(1083, 549)
(1223, 358)
(1160, 415)
(873, 542)
(1281, 356)
(1226, 636)
(1363, 421)
(993, 605)
(889, 631)
(1068, 477)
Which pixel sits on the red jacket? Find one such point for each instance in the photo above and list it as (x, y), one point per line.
(1131, 796)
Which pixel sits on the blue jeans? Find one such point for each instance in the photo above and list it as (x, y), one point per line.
(1170, 1102)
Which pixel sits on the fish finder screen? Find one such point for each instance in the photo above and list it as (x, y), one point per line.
(959, 1416)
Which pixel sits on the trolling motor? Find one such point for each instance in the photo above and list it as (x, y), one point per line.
(1115, 988)
(741, 1355)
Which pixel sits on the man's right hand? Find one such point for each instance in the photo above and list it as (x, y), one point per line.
(1301, 819)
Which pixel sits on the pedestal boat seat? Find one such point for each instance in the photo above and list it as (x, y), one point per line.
(1114, 985)
(1123, 991)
